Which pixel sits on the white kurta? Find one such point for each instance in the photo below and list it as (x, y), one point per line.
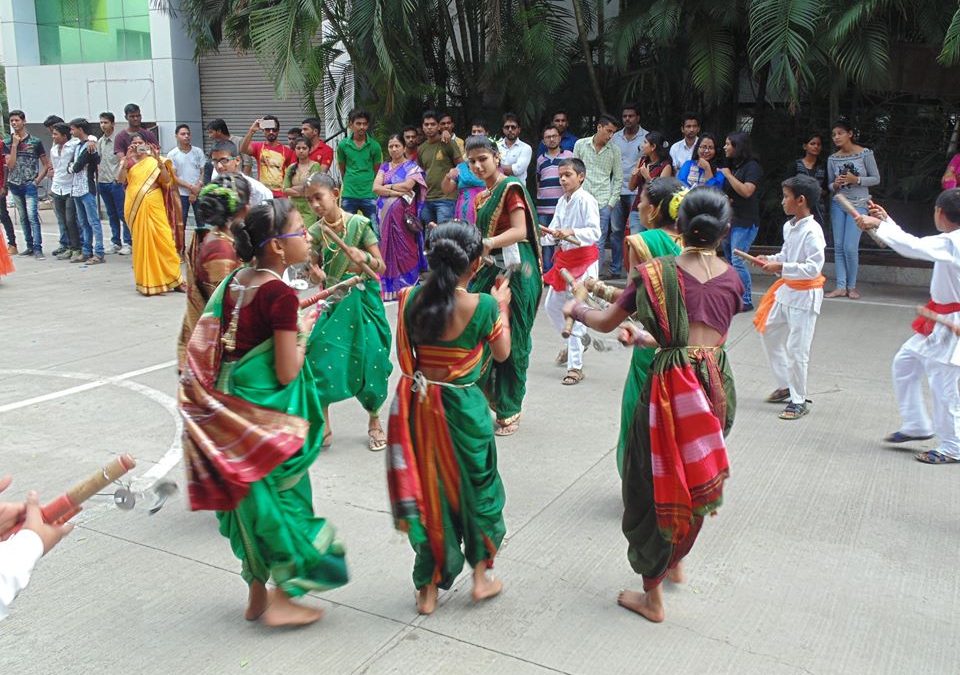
(936, 356)
(18, 556)
(581, 213)
(793, 317)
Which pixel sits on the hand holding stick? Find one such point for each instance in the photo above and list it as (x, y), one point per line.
(346, 284)
(938, 318)
(852, 211)
(752, 259)
(343, 247)
(69, 504)
(579, 293)
(556, 234)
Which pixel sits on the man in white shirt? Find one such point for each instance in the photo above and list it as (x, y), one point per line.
(226, 159)
(20, 553)
(188, 161)
(578, 217)
(682, 150)
(934, 349)
(515, 155)
(61, 154)
(628, 139)
(787, 315)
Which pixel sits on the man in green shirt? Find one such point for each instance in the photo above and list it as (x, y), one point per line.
(437, 155)
(358, 158)
(604, 179)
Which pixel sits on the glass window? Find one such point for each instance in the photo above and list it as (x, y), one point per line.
(91, 31)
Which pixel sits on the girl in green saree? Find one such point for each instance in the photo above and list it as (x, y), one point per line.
(659, 203)
(253, 422)
(507, 220)
(442, 464)
(355, 334)
(675, 462)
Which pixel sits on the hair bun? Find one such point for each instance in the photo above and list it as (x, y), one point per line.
(448, 253)
(241, 242)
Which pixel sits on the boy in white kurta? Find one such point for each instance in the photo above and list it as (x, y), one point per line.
(577, 216)
(933, 350)
(787, 315)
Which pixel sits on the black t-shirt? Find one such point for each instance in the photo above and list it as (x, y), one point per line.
(746, 210)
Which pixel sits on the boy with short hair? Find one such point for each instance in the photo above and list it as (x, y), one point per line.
(577, 216)
(934, 349)
(787, 315)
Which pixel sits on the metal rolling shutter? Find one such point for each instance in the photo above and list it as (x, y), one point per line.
(233, 86)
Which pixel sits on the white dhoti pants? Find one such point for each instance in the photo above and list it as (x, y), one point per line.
(553, 304)
(909, 367)
(787, 340)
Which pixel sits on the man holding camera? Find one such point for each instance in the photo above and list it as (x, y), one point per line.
(272, 157)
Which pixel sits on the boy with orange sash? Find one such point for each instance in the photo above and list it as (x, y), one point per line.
(577, 224)
(787, 314)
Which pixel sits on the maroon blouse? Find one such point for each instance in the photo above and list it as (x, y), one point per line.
(274, 307)
(713, 303)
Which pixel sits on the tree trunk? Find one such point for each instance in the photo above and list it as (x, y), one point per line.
(588, 56)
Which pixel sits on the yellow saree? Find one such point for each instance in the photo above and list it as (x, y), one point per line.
(156, 264)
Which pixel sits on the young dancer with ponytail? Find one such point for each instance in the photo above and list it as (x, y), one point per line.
(254, 423)
(219, 205)
(355, 356)
(673, 470)
(442, 467)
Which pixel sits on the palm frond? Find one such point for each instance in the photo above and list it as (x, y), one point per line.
(780, 35)
(711, 60)
(950, 54)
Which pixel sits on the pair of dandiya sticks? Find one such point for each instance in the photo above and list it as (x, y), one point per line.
(850, 209)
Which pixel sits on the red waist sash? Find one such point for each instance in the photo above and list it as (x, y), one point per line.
(924, 326)
(574, 260)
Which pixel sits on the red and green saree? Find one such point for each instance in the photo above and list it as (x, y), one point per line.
(441, 453)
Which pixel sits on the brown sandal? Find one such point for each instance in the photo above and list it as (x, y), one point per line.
(508, 426)
(573, 376)
(377, 441)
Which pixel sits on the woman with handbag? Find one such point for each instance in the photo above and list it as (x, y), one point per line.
(401, 189)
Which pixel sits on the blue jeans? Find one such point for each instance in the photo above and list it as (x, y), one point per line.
(88, 220)
(185, 207)
(25, 197)
(437, 211)
(741, 238)
(113, 195)
(7, 222)
(547, 251)
(367, 207)
(624, 212)
(846, 245)
(614, 232)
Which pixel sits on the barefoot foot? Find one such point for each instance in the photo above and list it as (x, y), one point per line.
(676, 575)
(256, 601)
(427, 599)
(282, 611)
(485, 587)
(643, 604)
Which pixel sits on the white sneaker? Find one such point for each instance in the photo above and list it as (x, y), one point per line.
(116, 249)
(122, 250)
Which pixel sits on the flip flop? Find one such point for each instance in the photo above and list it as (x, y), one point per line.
(898, 437)
(935, 457)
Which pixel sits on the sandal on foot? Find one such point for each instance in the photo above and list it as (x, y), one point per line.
(573, 376)
(899, 437)
(327, 439)
(508, 426)
(935, 457)
(854, 294)
(561, 359)
(794, 411)
(778, 396)
(836, 293)
(377, 440)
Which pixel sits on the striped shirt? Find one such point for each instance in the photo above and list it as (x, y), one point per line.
(604, 170)
(548, 181)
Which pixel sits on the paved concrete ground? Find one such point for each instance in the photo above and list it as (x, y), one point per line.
(832, 553)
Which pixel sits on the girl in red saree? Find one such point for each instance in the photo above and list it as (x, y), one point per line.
(676, 460)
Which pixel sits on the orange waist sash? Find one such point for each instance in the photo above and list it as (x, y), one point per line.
(766, 303)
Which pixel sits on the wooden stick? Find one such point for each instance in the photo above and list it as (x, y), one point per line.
(327, 292)
(752, 259)
(69, 504)
(852, 210)
(343, 247)
(562, 237)
(938, 318)
(579, 294)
